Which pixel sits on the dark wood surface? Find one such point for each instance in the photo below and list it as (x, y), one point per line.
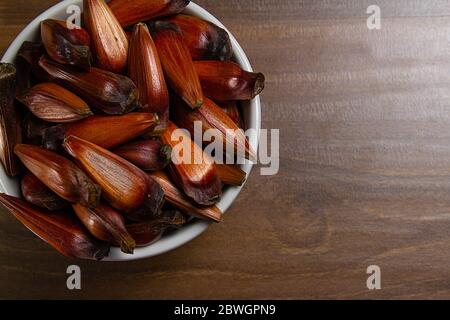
(364, 177)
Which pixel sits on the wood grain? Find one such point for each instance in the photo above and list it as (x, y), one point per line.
(364, 177)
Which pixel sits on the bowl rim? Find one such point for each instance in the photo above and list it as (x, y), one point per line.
(187, 233)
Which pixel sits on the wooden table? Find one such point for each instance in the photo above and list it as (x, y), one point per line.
(364, 176)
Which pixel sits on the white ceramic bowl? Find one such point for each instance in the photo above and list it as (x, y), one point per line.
(252, 117)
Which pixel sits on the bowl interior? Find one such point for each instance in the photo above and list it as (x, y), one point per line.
(251, 114)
